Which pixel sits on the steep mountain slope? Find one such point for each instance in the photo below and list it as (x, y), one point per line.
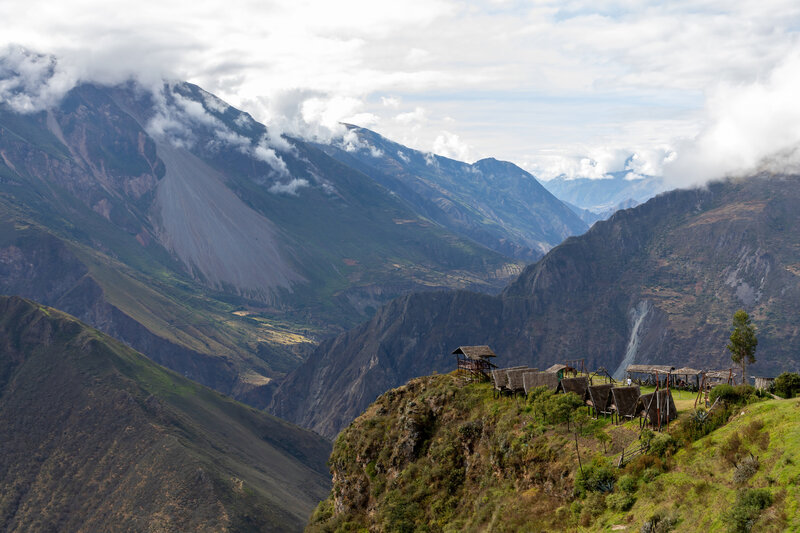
(440, 455)
(658, 283)
(494, 203)
(602, 195)
(176, 223)
(97, 438)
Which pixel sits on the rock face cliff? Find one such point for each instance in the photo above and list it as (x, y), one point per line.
(96, 437)
(658, 283)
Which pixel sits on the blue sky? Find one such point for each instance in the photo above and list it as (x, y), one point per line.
(697, 89)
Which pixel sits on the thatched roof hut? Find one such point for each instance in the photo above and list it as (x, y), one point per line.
(600, 398)
(515, 380)
(475, 352)
(719, 376)
(687, 377)
(623, 401)
(649, 369)
(531, 380)
(558, 369)
(579, 386)
(474, 361)
(761, 382)
(655, 403)
(500, 377)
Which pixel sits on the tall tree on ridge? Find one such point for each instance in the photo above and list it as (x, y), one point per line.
(743, 341)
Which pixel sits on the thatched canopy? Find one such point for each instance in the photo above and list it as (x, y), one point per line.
(475, 352)
(650, 369)
(579, 386)
(531, 380)
(686, 371)
(515, 380)
(650, 405)
(720, 374)
(600, 396)
(500, 377)
(623, 400)
(556, 368)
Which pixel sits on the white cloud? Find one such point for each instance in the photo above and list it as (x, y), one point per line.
(411, 117)
(450, 145)
(30, 81)
(750, 128)
(290, 187)
(551, 84)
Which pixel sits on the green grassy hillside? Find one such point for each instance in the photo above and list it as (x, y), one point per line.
(96, 437)
(439, 455)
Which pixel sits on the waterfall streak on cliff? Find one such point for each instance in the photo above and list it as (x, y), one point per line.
(638, 315)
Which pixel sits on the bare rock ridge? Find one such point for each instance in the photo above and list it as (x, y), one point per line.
(96, 437)
(694, 257)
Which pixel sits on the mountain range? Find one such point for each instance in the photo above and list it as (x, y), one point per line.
(602, 197)
(492, 202)
(657, 283)
(184, 228)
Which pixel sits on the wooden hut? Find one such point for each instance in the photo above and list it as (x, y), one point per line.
(558, 370)
(531, 380)
(762, 383)
(648, 374)
(515, 379)
(500, 378)
(657, 408)
(687, 378)
(623, 402)
(579, 386)
(600, 398)
(718, 377)
(474, 361)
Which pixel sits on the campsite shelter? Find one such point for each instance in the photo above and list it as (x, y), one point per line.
(474, 360)
(600, 398)
(690, 376)
(648, 374)
(716, 377)
(762, 382)
(579, 386)
(623, 402)
(532, 379)
(657, 408)
(558, 370)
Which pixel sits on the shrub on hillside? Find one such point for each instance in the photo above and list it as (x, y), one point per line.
(787, 384)
(663, 445)
(734, 395)
(748, 506)
(660, 522)
(620, 501)
(597, 476)
(746, 469)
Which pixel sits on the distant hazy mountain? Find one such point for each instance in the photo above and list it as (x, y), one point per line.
(494, 203)
(604, 196)
(178, 224)
(657, 283)
(96, 437)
